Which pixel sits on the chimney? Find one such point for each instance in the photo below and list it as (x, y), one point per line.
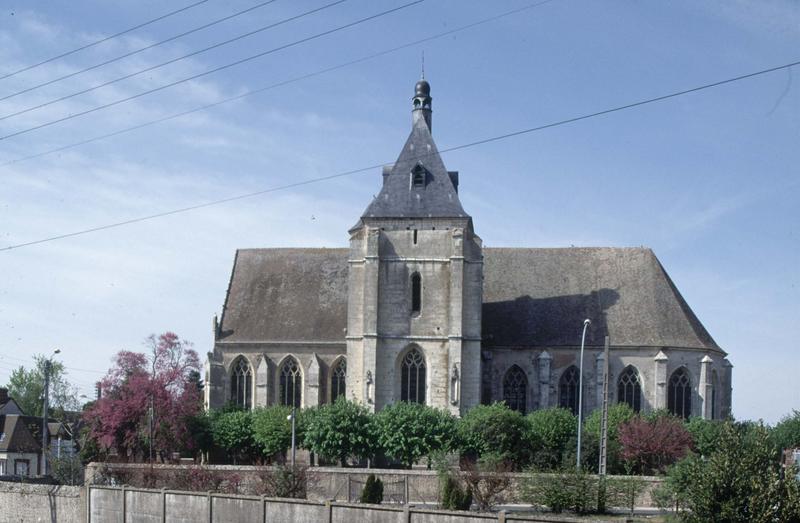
(3, 395)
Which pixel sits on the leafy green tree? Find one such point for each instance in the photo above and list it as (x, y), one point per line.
(272, 430)
(494, 429)
(340, 431)
(26, 386)
(786, 433)
(410, 431)
(741, 480)
(550, 432)
(233, 432)
(704, 434)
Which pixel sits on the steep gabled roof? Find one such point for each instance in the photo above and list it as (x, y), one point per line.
(287, 295)
(540, 297)
(532, 298)
(398, 198)
(19, 433)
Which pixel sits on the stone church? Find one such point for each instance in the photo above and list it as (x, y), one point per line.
(416, 309)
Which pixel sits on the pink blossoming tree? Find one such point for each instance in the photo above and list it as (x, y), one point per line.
(165, 379)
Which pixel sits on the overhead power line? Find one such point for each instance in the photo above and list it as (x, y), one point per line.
(419, 157)
(135, 51)
(174, 60)
(107, 38)
(276, 85)
(215, 70)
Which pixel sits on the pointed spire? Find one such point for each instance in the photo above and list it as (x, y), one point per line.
(422, 101)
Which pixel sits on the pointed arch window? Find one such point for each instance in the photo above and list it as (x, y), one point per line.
(412, 377)
(679, 394)
(515, 389)
(629, 389)
(241, 384)
(338, 377)
(416, 293)
(568, 389)
(291, 383)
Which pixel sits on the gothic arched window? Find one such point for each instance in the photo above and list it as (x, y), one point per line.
(241, 383)
(568, 389)
(515, 389)
(338, 377)
(679, 394)
(416, 293)
(412, 377)
(291, 383)
(629, 388)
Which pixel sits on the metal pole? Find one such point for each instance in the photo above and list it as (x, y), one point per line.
(294, 415)
(44, 415)
(150, 423)
(586, 324)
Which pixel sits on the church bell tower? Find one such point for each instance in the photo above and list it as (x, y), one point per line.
(415, 284)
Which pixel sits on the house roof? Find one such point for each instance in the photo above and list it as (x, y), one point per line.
(532, 297)
(19, 433)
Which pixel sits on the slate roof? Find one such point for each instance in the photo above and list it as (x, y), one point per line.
(286, 294)
(398, 199)
(20, 433)
(532, 297)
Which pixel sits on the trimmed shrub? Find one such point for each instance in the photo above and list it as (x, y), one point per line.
(373, 490)
(550, 433)
(340, 431)
(567, 490)
(272, 431)
(494, 430)
(410, 431)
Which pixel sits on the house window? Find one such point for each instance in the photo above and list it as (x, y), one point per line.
(338, 376)
(515, 389)
(21, 467)
(629, 389)
(416, 293)
(412, 379)
(3, 467)
(291, 384)
(679, 394)
(241, 384)
(568, 389)
(418, 176)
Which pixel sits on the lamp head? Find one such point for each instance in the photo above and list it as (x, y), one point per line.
(57, 351)
(587, 321)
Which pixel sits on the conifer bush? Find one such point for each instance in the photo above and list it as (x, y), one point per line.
(373, 490)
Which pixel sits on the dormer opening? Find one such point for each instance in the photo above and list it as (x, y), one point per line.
(418, 176)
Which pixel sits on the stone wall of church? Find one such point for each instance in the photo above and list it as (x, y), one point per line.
(708, 374)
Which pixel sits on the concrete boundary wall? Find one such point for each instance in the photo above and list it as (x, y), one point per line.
(28, 502)
(334, 483)
(133, 505)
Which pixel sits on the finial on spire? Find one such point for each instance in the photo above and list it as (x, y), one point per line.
(423, 64)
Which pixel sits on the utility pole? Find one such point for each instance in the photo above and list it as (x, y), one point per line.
(45, 429)
(150, 423)
(604, 420)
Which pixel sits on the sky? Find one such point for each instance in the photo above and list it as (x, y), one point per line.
(708, 180)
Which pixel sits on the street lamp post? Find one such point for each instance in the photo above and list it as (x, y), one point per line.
(292, 417)
(586, 324)
(45, 430)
